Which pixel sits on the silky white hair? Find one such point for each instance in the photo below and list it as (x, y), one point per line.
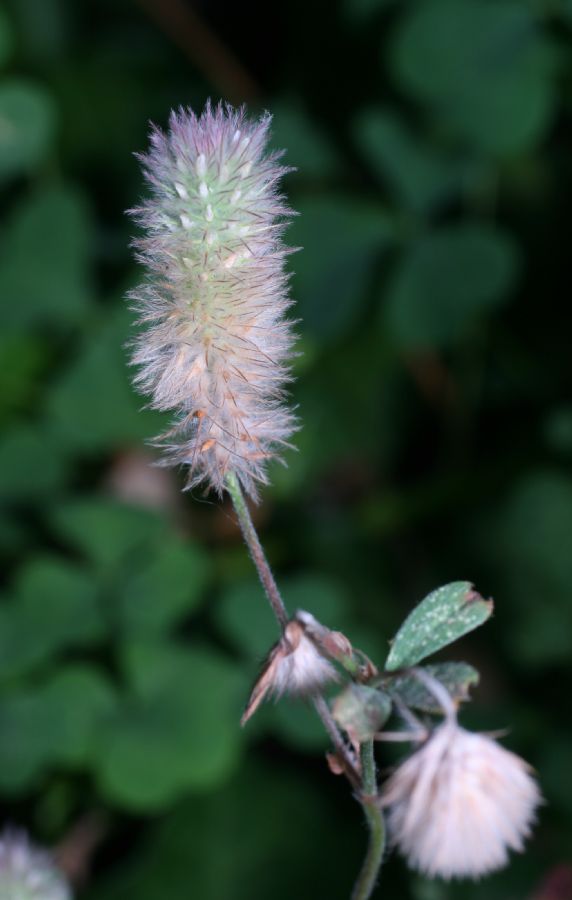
(460, 803)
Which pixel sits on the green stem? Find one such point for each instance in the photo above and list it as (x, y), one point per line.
(367, 878)
(368, 775)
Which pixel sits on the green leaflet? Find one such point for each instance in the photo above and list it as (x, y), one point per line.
(457, 677)
(444, 616)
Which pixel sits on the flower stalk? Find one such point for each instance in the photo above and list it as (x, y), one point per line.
(369, 874)
(255, 548)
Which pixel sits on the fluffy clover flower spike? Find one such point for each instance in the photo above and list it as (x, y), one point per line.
(27, 873)
(215, 342)
(460, 803)
(296, 664)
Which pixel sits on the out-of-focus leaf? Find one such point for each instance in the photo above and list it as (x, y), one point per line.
(245, 618)
(42, 29)
(23, 357)
(553, 761)
(80, 699)
(55, 724)
(105, 530)
(528, 542)
(249, 836)
(362, 711)
(420, 176)
(32, 464)
(27, 126)
(457, 677)
(179, 730)
(363, 10)
(342, 239)
(324, 597)
(92, 404)
(444, 616)
(166, 586)
(57, 600)
(13, 533)
(44, 260)
(485, 68)
(6, 38)
(297, 723)
(30, 739)
(307, 148)
(446, 281)
(558, 429)
(53, 606)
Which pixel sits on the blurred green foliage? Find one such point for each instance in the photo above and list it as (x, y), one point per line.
(432, 140)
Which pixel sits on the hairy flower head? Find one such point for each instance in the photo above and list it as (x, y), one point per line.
(460, 803)
(215, 342)
(27, 873)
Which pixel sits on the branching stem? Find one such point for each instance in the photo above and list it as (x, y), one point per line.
(366, 782)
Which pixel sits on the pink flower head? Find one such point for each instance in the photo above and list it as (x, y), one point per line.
(27, 873)
(215, 343)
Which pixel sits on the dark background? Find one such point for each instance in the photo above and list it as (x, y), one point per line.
(433, 141)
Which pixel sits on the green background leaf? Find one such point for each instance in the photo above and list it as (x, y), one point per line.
(446, 283)
(486, 67)
(53, 285)
(27, 126)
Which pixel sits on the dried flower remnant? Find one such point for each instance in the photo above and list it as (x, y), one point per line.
(215, 343)
(460, 803)
(295, 665)
(27, 873)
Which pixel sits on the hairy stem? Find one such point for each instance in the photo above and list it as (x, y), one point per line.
(367, 878)
(278, 608)
(255, 549)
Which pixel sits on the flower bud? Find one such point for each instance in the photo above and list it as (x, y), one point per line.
(460, 803)
(216, 342)
(295, 665)
(27, 873)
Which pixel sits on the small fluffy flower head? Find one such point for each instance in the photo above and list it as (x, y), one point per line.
(294, 666)
(27, 873)
(215, 342)
(459, 804)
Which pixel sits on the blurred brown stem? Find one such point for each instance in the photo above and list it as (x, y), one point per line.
(187, 30)
(74, 853)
